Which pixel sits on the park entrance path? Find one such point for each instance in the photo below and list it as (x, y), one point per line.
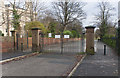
(8, 55)
(46, 64)
(99, 64)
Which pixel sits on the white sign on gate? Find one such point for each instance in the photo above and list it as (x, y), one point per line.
(66, 36)
(50, 35)
(57, 36)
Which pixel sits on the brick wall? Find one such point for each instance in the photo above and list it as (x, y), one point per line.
(24, 41)
(48, 41)
(7, 43)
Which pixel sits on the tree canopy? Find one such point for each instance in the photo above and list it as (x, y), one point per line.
(66, 12)
(103, 17)
(35, 24)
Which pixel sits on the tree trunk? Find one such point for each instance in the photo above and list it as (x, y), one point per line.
(8, 23)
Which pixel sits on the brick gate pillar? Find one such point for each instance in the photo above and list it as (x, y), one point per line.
(35, 39)
(90, 40)
(14, 36)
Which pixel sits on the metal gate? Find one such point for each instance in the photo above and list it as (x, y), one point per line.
(70, 45)
(41, 41)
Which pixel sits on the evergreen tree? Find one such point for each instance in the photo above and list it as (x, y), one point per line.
(16, 21)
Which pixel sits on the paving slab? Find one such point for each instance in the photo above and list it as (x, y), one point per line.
(99, 64)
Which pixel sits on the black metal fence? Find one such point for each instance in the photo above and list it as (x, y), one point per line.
(22, 43)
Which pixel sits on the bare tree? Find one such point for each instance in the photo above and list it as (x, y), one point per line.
(3, 19)
(36, 9)
(103, 17)
(6, 18)
(67, 12)
(18, 10)
(22, 8)
(8, 22)
(2, 13)
(8, 10)
(19, 6)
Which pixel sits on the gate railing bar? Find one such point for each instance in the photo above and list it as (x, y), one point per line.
(62, 43)
(17, 40)
(27, 39)
(42, 42)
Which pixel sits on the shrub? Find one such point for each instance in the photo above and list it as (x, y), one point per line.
(75, 34)
(52, 27)
(34, 24)
(0, 33)
(67, 32)
(110, 40)
(81, 53)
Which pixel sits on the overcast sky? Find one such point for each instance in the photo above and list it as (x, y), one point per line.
(90, 9)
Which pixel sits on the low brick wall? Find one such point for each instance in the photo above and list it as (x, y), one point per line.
(24, 41)
(48, 41)
(7, 43)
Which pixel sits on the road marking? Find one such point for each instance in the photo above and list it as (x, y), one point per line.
(75, 67)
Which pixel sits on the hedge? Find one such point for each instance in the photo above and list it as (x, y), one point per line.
(110, 40)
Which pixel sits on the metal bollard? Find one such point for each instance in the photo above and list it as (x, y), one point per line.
(104, 49)
(21, 46)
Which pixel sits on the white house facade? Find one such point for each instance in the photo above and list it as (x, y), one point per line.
(6, 16)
